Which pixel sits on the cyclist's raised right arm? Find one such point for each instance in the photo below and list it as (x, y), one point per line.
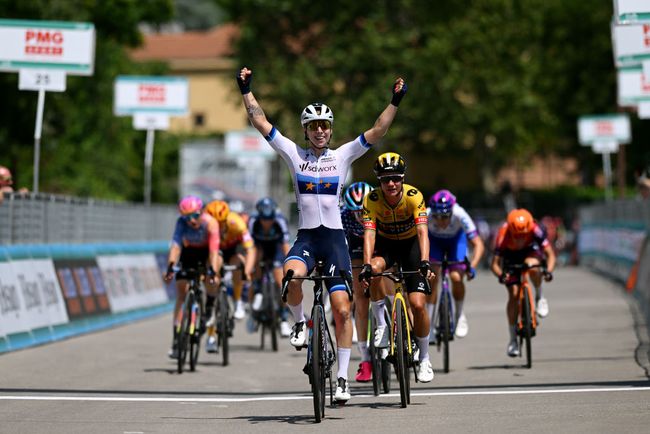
(254, 111)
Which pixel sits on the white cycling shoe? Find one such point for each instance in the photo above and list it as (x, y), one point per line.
(424, 371)
(542, 307)
(382, 336)
(298, 336)
(513, 349)
(211, 345)
(285, 329)
(240, 312)
(462, 328)
(342, 394)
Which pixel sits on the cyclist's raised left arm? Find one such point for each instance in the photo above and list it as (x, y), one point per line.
(385, 119)
(253, 109)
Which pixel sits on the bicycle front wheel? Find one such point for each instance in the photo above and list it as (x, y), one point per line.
(375, 355)
(223, 319)
(401, 353)
(444, 329)
(195, 334)
(527, 325)
(318, 364)
(183, 334)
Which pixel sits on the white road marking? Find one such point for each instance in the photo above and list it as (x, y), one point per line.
(308, 397)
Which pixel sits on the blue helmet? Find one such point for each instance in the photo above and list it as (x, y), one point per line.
(266, 208)
(353, 197)
(442, 203)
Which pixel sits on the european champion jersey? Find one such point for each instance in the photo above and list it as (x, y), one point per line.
(460, 221)
(318, 181)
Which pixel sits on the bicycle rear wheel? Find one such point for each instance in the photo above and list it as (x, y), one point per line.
(375, 356)
(183, 335)
(195, 333)
(401, 353)
(444, 329)
(318, 364)
(223, 324)
(527, 325)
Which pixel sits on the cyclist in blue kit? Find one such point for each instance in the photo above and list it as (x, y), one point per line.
(318, 174)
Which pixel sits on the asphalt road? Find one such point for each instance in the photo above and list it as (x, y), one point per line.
(587, 376)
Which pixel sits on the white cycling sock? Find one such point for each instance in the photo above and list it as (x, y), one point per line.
(423, 345)
(459, 309)
(378, 312)
(538, 292)
(363, 350)
(297, 312)
(344, 362)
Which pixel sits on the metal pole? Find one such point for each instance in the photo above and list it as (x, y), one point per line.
(607, 169)
(148, 160)
(37, 136)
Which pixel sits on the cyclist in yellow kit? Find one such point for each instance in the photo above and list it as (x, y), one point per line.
(234, 234)
(395, 227)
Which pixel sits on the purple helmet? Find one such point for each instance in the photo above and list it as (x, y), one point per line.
(442, 203)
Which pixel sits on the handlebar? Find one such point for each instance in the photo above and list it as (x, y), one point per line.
(398, 276)
(347, 279)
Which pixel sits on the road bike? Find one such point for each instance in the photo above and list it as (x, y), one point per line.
(444, 315)
(320, 347)
(526, 319)
(268, 314)
(223, 314)
(189, 322)
(381, 368)
(402, 344)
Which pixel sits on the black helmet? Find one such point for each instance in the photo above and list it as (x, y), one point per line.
(266, 208)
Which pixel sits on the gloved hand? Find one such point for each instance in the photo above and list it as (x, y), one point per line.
(244, 79)
(503, 278)
(399, 90)
(548, 276)
(366, 273)
(169, 274)
(425, 267)
(471, 273)
(211, 274)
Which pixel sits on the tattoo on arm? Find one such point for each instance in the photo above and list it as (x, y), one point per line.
(255, 111)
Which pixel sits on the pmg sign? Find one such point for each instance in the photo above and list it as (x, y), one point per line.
(604, 128)
(150, 94)
(66, 46)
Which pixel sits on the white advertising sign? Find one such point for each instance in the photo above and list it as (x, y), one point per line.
(248, 143)
(37, 79)
(151, 121)
(632, 11)
(631, 44)
(605, 146)
(633, 87)
(133, 94)
(643, 110)
(13, 317)
(43, 302)
(604, 128)
(65, 46)
(132, 281)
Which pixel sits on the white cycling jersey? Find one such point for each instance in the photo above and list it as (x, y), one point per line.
(460, 221)
(318, 181)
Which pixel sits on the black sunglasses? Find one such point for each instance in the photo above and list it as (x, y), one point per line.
(388, 178)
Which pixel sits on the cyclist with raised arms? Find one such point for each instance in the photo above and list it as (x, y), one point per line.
(318, 173)
(237, 248)
(395, 223)
(352, 218)
(449, 230)
(270, 233)
(521, 240)
(195, 243)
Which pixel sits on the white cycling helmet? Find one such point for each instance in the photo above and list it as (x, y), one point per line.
(316, 112)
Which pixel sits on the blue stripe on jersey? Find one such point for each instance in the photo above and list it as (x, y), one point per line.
(364, 142)
(271, 135)
(309, 185)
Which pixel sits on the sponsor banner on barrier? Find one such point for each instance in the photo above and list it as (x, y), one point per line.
(132, 281)
(83, 288)
(30, 296)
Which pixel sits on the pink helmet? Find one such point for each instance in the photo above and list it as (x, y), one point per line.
(190, 205)
(442, 203)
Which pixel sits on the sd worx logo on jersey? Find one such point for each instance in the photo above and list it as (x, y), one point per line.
(305, 167)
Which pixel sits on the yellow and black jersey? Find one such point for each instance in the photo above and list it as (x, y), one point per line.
(398, 222)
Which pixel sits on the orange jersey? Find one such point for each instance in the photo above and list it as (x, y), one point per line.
(505, 242)
(234, 231)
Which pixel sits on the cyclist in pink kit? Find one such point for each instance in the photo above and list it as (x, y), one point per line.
(318, 174)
